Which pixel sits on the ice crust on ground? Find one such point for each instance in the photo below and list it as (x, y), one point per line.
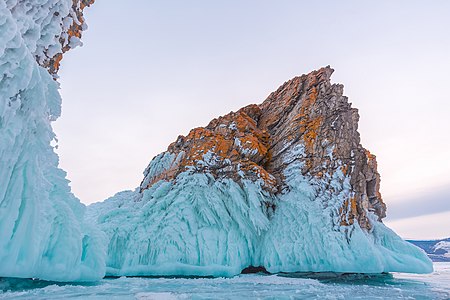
(250, 286)
(198, 225)
(42, 233)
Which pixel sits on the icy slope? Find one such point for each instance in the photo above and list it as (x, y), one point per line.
(304, 235)
(285, 185)
(41, 230)
(196, 226)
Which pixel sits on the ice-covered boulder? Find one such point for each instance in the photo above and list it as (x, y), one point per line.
(285, 185)
(42, 234)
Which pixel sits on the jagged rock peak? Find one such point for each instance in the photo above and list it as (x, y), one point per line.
(255, 143)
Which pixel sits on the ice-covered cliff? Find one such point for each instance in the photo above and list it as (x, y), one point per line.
(42, 234)
(285, 185)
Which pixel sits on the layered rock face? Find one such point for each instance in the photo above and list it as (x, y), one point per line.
(253, 143)
(42, 233)
(285, 185)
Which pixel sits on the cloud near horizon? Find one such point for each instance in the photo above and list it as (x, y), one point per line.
(420, 203)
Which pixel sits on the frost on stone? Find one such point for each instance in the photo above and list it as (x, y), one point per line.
(305, 235)
(42, 234)
(197, 225)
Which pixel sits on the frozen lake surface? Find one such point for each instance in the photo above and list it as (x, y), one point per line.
(253, 286)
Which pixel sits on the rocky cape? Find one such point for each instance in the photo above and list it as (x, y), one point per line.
(255, 143)
(284, 185)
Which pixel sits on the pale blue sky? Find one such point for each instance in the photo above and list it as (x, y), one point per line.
(151, 70)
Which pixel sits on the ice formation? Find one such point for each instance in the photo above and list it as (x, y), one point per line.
(304, 235)
(196, 226)
(284, 185)
(42, 233)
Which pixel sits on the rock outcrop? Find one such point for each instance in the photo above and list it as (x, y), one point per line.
(252, 143)
(284, 185)
(50, 28)
(72, 24)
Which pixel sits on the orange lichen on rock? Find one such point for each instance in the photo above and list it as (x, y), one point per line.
(56, 62)
(344, 169)
(370, 157)
(236, 143)
(312, 97)
(52, 64)
(348, 212)
(204, 141)
(310, 128)
(306, 119)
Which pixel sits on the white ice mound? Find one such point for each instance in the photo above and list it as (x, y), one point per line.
(41, 229)
(198, 225)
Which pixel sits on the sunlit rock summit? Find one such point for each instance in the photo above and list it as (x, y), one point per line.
(284, 185)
